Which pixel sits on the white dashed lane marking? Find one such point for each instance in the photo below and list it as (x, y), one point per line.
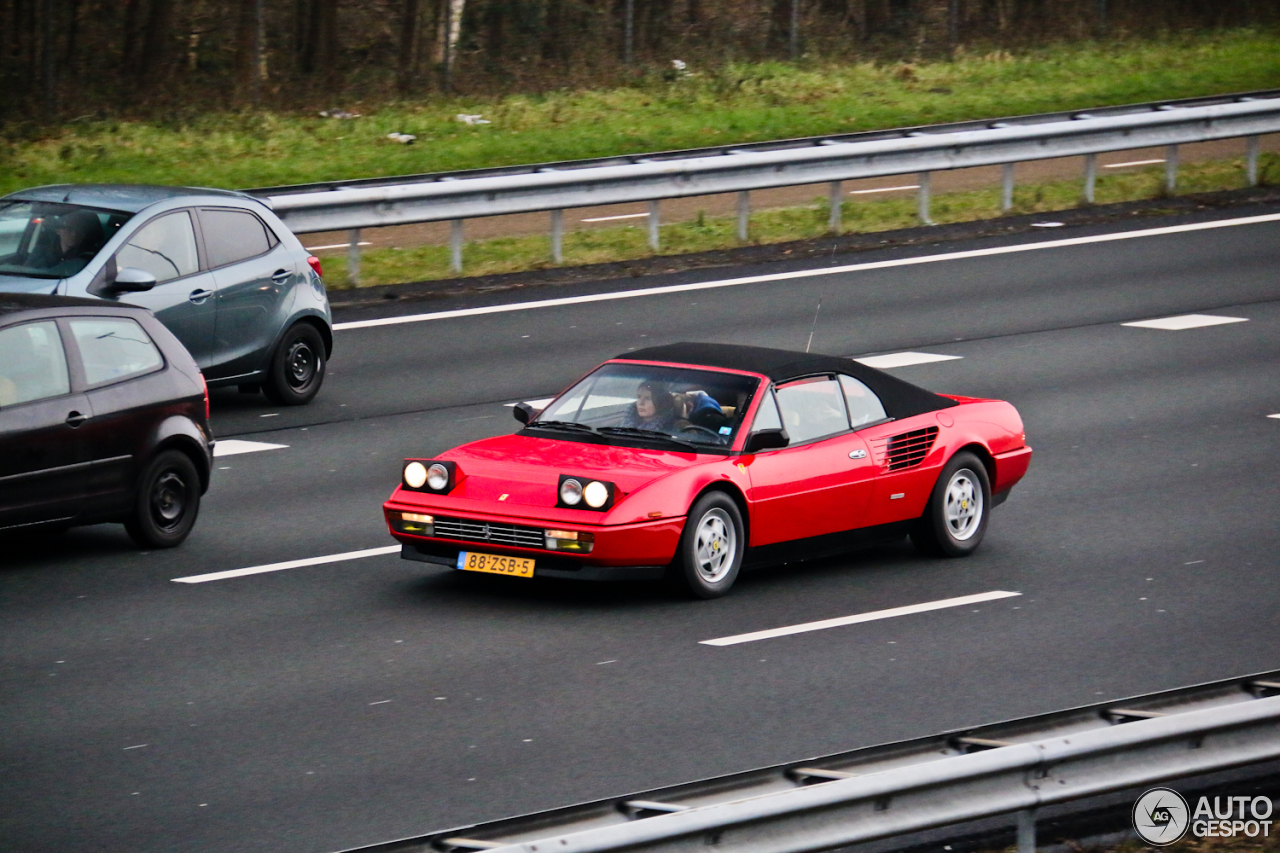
(236, 446)
(925, 607)
(904, 359)
(1185, 321)
(533, 404)
(1277, 416)
(290, 564)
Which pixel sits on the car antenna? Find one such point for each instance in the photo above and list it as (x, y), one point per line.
(815, 325)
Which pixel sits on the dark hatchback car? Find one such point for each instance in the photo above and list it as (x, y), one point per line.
(104, 417)
(217, 267)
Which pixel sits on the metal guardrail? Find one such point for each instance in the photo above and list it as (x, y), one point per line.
(882, 792)
(460, 196)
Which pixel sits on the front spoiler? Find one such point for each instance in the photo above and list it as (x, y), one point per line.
(544, 567)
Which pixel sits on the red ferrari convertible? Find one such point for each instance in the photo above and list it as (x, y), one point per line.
(693, 460)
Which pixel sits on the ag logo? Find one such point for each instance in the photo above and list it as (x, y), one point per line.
(1160, 816)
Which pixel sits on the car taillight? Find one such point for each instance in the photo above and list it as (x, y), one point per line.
(206, 397)
(315, 265)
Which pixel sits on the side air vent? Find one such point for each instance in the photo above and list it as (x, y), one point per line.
(905, 450)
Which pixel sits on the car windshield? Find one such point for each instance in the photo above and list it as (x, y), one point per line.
(40, 239)
(696, 409)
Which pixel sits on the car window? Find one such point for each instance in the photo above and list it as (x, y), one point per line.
(233, 235)
(812, 408)
(51, 240)
(32, 363)
(864, 405)
(164, 247)
(113, 348)
(767, 415)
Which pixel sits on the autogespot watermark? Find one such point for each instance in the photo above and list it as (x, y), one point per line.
(1162, 816)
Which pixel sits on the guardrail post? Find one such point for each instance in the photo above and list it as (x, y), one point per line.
(653, 225)
(557, 236)
(1251, 160)
(353, 257)
(455, 245)
(1170, 167)
(1006, 188)
(744, 214)
(1090, 176)
(1027, 831)
(922, 201)
(834, 202)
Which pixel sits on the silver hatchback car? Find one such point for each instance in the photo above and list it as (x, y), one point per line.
(218, 268)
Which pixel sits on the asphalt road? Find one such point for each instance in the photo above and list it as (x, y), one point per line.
(341, 704)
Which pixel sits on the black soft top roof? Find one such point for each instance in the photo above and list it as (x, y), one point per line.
(901, 399)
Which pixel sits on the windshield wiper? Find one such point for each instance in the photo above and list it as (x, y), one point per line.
(654, 435)
(566, 425)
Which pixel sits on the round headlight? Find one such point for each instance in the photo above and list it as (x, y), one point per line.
(596, 494)
(437, 476)
(571, 492)
(415, 474)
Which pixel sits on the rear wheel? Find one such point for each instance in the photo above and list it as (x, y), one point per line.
(955, 519)
(297, 367)
(711, 547)
(167, 502)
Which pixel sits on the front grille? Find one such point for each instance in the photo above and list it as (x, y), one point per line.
(489, 531)
(906, 450)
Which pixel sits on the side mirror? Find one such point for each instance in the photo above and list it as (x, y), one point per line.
(132, 280)
(766, 439)
(523, 412)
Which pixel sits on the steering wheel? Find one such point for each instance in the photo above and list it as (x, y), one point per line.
(720, 439)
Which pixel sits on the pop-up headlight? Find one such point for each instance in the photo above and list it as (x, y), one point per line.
(429, 475)
(585, 493)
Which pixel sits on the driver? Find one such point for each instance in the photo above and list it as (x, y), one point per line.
(78, 237)
(653, 409)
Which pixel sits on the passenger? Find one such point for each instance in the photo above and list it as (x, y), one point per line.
(653, 409)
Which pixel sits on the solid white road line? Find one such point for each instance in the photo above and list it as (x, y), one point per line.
(904, 359)
(1185, 321)
(861, 617)
(612, 218)
(291, 564)
(885, 189)
(236, 446)
(1132, 163)
(810, 273)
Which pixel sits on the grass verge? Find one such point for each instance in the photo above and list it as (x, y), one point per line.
(706, 233)
(710, 106)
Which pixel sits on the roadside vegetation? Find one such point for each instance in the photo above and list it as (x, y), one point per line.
(697, 107)
(707, 233)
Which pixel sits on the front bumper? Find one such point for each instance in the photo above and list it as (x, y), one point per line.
(544, 567)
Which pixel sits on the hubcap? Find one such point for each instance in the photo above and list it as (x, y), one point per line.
(963, 507)
(300, 364)
(169, 499)
(715, 545)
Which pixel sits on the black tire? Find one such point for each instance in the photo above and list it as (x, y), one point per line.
(711, 547)
(951, 525)
(167, 502)
(297, 367)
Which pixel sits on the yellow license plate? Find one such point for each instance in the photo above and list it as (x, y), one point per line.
(494, 564)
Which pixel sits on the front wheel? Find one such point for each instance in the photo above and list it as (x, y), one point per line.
(297, 367)
(167, 501)
(955, 519)
(711, 546)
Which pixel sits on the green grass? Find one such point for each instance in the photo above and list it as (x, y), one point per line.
(706, 233)
(735, 103)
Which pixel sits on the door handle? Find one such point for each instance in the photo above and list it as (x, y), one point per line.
(75, 419)
(200, 295)
(857, 454)
(280, 276)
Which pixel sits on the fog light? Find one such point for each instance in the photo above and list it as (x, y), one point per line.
(437, 476)
(571, 492)
(415, 474)
(596, 494)
(413, 522)
(570, 540)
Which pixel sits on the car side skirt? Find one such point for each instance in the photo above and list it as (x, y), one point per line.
(827, 545)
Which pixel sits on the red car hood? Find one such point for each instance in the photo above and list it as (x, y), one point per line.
(527, 469)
